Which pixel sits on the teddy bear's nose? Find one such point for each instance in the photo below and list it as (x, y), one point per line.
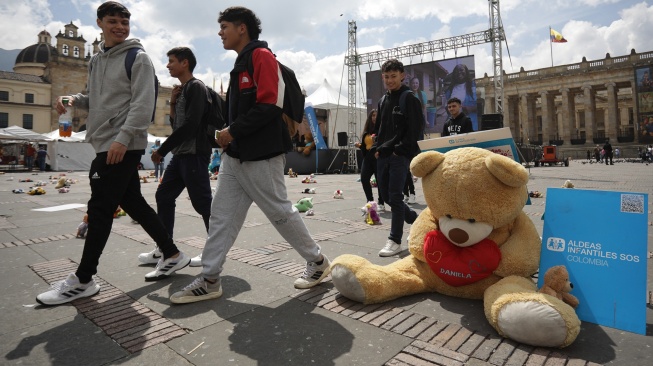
(458, 235)
(571, 285)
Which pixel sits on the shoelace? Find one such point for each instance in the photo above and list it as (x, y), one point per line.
(60, 286)
(199, 281)
(311, 268)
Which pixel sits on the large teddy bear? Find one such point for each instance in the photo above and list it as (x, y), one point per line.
(472, 241)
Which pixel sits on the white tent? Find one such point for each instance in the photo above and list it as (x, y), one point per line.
(73, 153)
(336, 105)
(19, 133)
(76, 136)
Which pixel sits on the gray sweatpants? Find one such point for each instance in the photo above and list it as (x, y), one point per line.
(240, 184)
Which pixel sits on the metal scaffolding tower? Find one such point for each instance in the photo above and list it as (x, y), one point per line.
(353, 60)
(497, 36)
(352, 64)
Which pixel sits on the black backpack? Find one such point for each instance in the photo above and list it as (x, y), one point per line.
(214, 118)
(293, 97)
(129, 62)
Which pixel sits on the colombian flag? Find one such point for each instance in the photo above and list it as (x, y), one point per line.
(557, 37)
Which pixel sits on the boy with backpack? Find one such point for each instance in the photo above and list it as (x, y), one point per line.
(252, 170)
(120, 111)
(399, 129)
(189, 108)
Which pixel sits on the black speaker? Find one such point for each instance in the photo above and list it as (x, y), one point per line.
(342, 139)
(491, 121)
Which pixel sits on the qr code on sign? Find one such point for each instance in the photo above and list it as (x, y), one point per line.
(632, 203)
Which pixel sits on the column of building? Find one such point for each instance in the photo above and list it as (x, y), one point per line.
(611, 121)
(589, 95)
(568, 115)
(548, 111)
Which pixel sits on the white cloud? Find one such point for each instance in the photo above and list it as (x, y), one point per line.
(20, 21)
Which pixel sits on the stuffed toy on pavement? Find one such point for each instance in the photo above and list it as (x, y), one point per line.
(304, 204)
(558, 285)
(472, 241)
(309, 179)
(338, 194)
(370, 211)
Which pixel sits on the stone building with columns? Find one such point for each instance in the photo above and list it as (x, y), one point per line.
(43, 72)
(575, 104)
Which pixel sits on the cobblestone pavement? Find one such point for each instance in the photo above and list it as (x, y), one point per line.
(261, 319)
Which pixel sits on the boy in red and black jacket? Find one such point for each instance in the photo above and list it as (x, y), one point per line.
(252, 169)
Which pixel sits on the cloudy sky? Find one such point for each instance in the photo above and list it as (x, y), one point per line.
(310, 36)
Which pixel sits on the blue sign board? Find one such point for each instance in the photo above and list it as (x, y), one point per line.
(601, 237)
(315, 128)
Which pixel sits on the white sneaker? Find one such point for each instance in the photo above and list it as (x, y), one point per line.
(412, 199)
(391, 248)
(151, 257)
(313, 274)
(198, 290)
(168, 267)
(67, 290)
(381, 208)
(196, 261)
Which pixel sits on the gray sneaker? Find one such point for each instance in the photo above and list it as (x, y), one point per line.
(313, 274)
(391, 248)
(198, 290)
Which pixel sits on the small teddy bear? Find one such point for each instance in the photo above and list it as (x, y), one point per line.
(64, 190)
(568, 184)
(82, 228)
(304, 204)
(370, 211)
(338, 194)
(60, 183)
(309, 179)
(36, 191)
(308, 191)
(557, 284)
(291, 173)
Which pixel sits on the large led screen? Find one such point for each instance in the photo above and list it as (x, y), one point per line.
(433, 83)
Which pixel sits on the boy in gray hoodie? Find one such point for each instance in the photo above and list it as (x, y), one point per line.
(120, 111)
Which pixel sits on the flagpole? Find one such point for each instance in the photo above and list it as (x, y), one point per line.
(551, 46)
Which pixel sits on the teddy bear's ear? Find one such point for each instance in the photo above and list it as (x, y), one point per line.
(508, 171)
(425, 163)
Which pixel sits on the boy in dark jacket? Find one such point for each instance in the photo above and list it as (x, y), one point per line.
(189, 143)
(395, 146)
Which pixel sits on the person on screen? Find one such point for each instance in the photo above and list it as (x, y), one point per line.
(458, 122)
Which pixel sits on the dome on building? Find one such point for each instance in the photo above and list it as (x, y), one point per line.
(37, 53)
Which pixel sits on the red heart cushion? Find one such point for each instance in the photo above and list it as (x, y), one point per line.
(460, 266)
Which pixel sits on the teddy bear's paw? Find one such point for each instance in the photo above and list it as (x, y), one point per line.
(346, 282)
(534, 319)
(343, 275)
